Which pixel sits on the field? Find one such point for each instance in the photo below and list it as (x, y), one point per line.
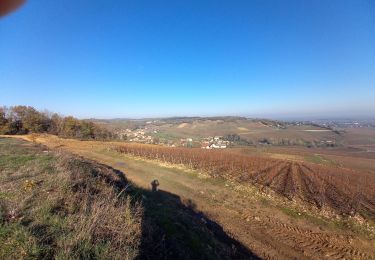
(345, 157)
(250, 130)
(342, 190)
(264, 221)
(361, 138)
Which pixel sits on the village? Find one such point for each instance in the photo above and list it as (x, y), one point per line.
(150, 136)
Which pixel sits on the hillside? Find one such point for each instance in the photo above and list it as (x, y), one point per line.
(249, 131)
(56, 205)
(265, 222)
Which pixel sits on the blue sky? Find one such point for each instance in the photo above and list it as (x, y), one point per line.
(179, 58)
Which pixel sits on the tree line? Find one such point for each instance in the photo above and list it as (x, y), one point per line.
(26, 119)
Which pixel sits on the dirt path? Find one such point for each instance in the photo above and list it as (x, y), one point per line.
(265, 230)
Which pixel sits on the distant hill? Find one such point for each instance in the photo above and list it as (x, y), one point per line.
(252, 131)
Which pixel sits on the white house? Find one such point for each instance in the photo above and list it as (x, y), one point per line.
(218, 146)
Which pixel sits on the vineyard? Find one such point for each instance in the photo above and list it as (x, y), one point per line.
(342, 190)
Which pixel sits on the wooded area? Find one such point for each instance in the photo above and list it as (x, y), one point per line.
(25, 119)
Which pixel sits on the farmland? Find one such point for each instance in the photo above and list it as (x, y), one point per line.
(341, 190)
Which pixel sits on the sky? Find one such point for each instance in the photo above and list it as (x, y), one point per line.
(260, 58)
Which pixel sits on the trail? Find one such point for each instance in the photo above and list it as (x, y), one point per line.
(265, 230)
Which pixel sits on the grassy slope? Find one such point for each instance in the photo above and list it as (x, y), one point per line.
(54, 205)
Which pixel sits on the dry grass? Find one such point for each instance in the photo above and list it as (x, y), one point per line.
(59, 206)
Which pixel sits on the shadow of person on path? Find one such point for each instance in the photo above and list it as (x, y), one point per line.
(154, 185)
(173, 228)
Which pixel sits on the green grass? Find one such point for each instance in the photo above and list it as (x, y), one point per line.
(302, 215)
(15, 154)
(318, 159)
(4, 195)
(15, 161)
(17, 242)
(168, 136)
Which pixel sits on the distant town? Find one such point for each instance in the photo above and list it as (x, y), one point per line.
(147, 137)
